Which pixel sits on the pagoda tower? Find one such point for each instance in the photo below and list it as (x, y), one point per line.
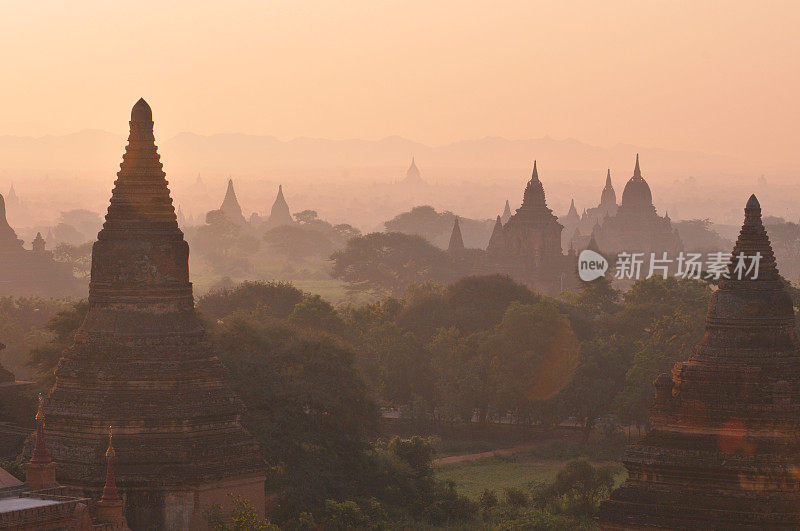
(279, 214)
(724, 446)
(141, 362)
(456, 241)
(533, 231)
(496, 239)
(506, 213)
(413, 175)
(634, 226)
(608, 197)
(572, 216)
(230, 206)
(528, 246)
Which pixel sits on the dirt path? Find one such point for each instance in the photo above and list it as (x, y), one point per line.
(453, 459)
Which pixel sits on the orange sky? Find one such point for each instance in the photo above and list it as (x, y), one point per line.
(720, 77)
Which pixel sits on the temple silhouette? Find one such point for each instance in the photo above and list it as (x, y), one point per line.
(230, 206)
(635, 227)
(141, 362)
(26, 272)
(723, 449)
(527, 247)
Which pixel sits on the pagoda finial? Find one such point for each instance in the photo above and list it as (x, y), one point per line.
(40, 410)
(41, 455)
(110, 493)
(608, 178)
(637, 172)
(141, 112)
(535, 174)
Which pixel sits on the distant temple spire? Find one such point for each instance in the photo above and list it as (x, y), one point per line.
(413, 175)
(230, 205)
(13, 199)
(572, 218)
(637, 194)
(608, 197)
(496, 239)
(8, 238)
(38, 243)
(456, 241)
(279, 214)
(534, 192)
(506, 213)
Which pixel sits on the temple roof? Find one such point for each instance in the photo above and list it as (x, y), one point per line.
(280, 214)
(413, 175)
(609, 196)
(534, 206)
(573, 212)
(230, 205)
(534, 191)
(506, 212)
(637, 194)
(456, 241)
(497, 233)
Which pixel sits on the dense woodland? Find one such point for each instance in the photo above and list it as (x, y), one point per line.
(353, 402)
(481, 351)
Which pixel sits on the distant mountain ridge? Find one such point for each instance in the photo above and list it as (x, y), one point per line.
(94, 152)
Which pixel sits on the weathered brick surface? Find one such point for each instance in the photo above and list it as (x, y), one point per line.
(725, 440)
(141, 363)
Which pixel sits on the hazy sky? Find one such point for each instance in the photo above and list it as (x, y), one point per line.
(712, 76)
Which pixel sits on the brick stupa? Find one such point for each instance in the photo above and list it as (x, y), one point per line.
(724, 448)
(141, 362)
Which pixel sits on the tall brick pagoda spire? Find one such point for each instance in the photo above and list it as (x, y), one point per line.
(725, 440)
(141, 362)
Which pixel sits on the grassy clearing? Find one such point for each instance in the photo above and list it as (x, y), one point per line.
(519, 470)
(498, 473)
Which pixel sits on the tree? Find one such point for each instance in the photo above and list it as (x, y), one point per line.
(63, 326)
(671, 339)
(276, 299)
(315, 312)
(580, 485)
(598, 378)
(390, 262)
(305, 403)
